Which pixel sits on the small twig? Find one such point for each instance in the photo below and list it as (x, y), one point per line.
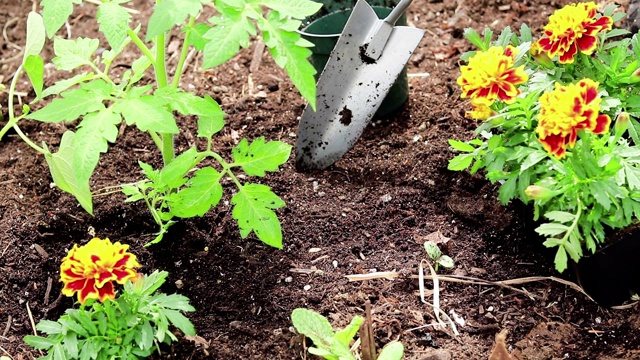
(8, 326)
(48, 291)
(6, 353)
(6, 38)
(33, 323)
(256, 60)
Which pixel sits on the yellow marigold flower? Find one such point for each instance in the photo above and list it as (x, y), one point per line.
(91, 269)
(573, 28)
(480, 112)
(490, 75)
(567, 109)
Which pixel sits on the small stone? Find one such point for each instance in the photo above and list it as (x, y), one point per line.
(288, 279)
(385, 198)
(315, 250)
(437, 354)
(307, 287)
(179, 284)
(335, 264)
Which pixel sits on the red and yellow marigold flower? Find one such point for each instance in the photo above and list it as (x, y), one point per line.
(567, 109)
(573, 28)
(90, 270)
(491, 75)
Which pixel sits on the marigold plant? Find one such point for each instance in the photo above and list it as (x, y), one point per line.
(91, 269)
(546, 103)
(127, 325)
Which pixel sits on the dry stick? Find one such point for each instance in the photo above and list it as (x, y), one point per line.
(368, 344)
(48, 291)
(6, 38)
(8, 326)
(436, 299)
(256, 59)
(33, 323)
(470, 280)
(6, 352)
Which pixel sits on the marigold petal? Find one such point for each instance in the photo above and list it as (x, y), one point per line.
(89, 291)
(554, 145)
(106, 292)
(602, 124)
(587, 44)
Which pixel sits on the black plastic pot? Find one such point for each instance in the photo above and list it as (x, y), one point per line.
(612, 274)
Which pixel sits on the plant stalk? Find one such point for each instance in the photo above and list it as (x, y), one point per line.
(183, 54)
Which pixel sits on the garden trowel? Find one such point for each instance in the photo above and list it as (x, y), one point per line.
(367, 59)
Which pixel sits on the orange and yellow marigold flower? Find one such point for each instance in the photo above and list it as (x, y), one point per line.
(491, 75)
(90, 270)
(567, 109)
(573, 28)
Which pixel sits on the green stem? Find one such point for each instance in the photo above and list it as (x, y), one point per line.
(156, 139)
(140, 44)
(13, 121)
(160, 64)
(183, 54)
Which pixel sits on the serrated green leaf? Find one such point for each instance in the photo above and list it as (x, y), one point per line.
(114, 23)
(561, 260)
(71, 324)
(298, 9)
(560, 216)
(83, 317)
(70, 343)
(173, 175)
(392, 351)
(259, 157)
(203, 192)
(39, 342)
(34, 67)
(196, 36)
(285, 47)
(64, 175)
(461, 145)
(600, 194)
(230, 31)
(180, 321)
(346, 335)
(173, 301)
(152, 282)
(507, 190)
(91, 138)
(55, 13)
(36, 36)
(146, 333)
(148, 114)
(312, 325)
(551, 229)
(59, 353)
(169, 13)
(460, 162)
(71, 54)
(252, 210)
(49, 327)
(65, 84)
(532, 159)
(73, 104)
(210, 125)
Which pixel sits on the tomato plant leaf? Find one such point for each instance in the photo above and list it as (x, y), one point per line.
(203, 192)
(259, 157)
(73, 104)
(91, 138)
(173, 175)
(252, 210)
(114, 23)
(36, 35)
(231, 30)
(64, 174)
(34, 67)
(55, 13)
(290, 52)
(148, 114)
(169, 13)
(65, 84)
(298, 9)
(71, 54)
(196, 36)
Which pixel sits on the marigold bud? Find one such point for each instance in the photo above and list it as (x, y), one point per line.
(537, 192)
(622, 123)
(540, 56)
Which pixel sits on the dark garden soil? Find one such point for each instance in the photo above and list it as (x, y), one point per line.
(369, 212)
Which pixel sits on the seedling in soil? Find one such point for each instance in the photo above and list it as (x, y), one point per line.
(335, 345)
(437, 256)
(102, 100)
(106, 326)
